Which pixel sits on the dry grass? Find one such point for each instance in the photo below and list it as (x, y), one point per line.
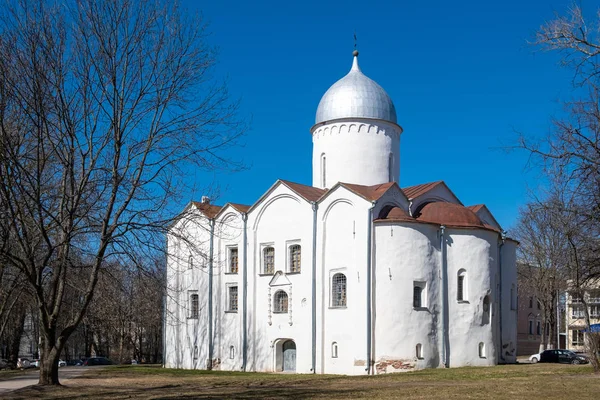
(521, 381)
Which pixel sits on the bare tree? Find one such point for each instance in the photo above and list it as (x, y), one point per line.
(104, 105)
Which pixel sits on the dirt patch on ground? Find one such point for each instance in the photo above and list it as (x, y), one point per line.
(515, 382)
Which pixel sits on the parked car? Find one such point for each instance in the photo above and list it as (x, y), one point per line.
(62, 363)
(535, 358)
(562, 356)
(35, 363)
(24, 363)
(97, 361)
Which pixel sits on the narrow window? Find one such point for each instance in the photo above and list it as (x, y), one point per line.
(461, 289)
(486, 310)
(195, 352)
(194, 306)
(233, 298)
(269, 260)
(391, 168)
(190, 262)
(577, 337)
(334, 350)
(531, 302)
(233, 260)
(338, 290)
(417, 296)
(481, 350)
(231, 352)
(323, 171)
(295, 258)
(280, 302)
(538, 328)
(531, 327)
(419, 351)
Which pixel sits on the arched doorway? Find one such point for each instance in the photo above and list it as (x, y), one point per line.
(289, 356)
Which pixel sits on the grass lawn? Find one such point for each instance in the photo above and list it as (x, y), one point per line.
(520, 381)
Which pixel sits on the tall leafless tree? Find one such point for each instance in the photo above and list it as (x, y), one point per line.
(570, 155)
(104, 105)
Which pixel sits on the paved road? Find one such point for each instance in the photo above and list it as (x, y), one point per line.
(31, 377)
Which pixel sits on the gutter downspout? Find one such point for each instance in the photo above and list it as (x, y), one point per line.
(315, 207)
(164, 321)
(445, 319)
(369, 300)
(210, 294)
(502, 238)
(245, 294)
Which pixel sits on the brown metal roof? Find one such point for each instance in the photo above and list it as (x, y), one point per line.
(371, 193)
(240, 207)
(415, 191)
(207, 209)
(449, 214)
(309, 193)
(475, 208)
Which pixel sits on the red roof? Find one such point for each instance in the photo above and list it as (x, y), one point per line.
(449, 214)
(240, 207)
(309, 193)
(371, 193)
(476, 207)
(415, 191)
(207, 209)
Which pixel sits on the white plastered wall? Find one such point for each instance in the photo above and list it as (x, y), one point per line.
(356, 151)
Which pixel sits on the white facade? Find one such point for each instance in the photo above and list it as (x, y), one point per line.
(351, 275)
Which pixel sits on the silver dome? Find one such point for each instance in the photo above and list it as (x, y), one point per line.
(356, 96)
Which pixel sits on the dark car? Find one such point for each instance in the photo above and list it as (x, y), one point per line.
(562, 356)
(97, 361)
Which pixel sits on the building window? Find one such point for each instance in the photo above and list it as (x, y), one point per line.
(268, 260)
(595, 311)
(486, 310)
(231, 352)
(334, 350)
(419, 295)
(338, 290)
(194, 305)
(280, 301)
(577, 312)
(576, 298)
(531, 327)
(295, 257)
(233, 298)
(419, 351)
(233, 260)
(195, 352)
(594, 297)
(323, 170)
(190, 262)
(531, 302)
(577, 337)
(461, 285)
(481, 350)
(538, 328)
(391, 168)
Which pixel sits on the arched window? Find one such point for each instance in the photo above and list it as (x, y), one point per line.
(486, 310)
(323, 170)
(280, 301)
(481, 350)
(391, 168)
(231, 352)
(295, 257)
(195, 352)
(461, 285)
(269, 260)
(190, 262)
(338, 290)
(334, 350)
(419, 351)
(194, 306)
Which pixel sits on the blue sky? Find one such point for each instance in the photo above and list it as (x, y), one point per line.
(462, 76)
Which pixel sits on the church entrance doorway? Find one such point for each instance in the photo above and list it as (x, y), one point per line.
(289, 356)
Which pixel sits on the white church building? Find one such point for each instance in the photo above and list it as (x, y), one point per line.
(352, 275)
